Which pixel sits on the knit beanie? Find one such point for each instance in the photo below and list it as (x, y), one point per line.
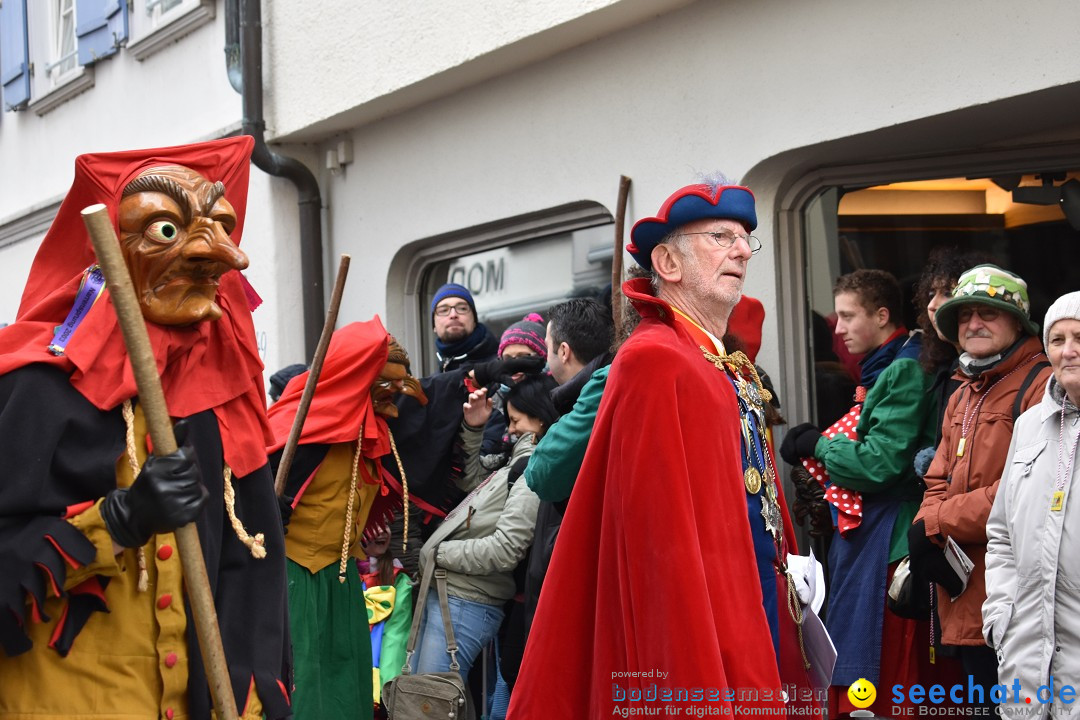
(281, 378)
(452, 290)
(529, 331)
(1066, 307)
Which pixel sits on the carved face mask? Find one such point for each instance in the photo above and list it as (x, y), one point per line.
(174, 232)
(394, 379)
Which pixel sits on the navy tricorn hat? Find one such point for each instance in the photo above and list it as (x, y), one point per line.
(693, 202)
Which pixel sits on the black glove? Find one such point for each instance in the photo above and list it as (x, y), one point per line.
(488, 372)
(810, 503)
(928, 561)
(799, 442)
(167, 494)
(286, 508)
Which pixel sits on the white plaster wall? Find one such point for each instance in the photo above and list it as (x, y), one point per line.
(354, 61)
(16, 259)
(270, 233)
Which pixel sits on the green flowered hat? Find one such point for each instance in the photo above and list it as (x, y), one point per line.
(987, 285)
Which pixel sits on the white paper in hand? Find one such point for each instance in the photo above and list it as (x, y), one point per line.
(959, 562)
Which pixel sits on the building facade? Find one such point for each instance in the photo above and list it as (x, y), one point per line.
(484, 142)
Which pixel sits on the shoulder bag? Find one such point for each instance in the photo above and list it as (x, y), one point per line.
(429, 695)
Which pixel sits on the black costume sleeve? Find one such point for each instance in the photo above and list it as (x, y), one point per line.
(426, 436)
(250, 594)
(57, 450)
(60, 451)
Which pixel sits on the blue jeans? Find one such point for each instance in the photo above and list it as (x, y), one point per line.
(475, 625)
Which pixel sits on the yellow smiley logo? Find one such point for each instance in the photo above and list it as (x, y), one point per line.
(862, 693)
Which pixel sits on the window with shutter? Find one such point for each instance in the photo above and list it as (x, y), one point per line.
(14, 54)
(102, 28)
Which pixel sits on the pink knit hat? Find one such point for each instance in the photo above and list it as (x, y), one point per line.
(529, 331)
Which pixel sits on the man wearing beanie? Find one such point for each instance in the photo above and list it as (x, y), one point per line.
(1032, 579)
(460, 338)
(1003, 372)
(676, 477)
(426, 435)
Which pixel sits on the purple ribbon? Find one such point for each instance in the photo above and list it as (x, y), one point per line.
(93, 282)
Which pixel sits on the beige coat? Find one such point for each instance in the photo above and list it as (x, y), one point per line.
(483, 539)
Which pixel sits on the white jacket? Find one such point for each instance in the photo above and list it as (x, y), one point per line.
(1032, 611)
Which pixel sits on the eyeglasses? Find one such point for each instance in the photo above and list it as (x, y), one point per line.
(460, 309)
(726, 239)
(987, 314)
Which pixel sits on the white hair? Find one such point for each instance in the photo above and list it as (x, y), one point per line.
(714, 179)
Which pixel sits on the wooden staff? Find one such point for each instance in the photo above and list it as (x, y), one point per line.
(289, 451)
(618, 302)
(152, 399)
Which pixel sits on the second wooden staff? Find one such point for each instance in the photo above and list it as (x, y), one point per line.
(289, 451)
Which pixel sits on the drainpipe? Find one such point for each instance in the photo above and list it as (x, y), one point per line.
(310, 201)
(232, 45)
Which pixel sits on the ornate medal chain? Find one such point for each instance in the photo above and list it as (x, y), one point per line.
(969, 420)
(1058, 500)
(754, 396)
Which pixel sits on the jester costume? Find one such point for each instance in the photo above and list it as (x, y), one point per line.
(683, 487)
(389, 610)
(85, 630)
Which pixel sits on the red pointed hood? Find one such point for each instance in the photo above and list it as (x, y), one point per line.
(209, 365)
(341, 405)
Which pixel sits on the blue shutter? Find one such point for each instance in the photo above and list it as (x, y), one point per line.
(100, 27)
(14, 54)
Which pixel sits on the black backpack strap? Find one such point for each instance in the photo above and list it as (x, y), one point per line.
(1019, 402)
(516, 471)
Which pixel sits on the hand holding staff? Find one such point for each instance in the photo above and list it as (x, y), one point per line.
(152, 399)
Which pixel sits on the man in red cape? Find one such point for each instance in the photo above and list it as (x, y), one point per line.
(93, 618)
(668, 585)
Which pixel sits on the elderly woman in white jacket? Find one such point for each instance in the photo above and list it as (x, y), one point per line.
(1032, 611)
(483, 539)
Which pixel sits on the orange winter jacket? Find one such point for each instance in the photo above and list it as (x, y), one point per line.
(960, 486)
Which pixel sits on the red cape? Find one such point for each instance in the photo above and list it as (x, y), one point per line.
(660, 494)
(341, 404)
(208, 365)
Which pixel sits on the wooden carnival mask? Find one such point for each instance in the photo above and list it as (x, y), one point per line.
(174, 232)
(393, 379)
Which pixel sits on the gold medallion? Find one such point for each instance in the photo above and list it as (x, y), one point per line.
(752, 480)
(1057, 501)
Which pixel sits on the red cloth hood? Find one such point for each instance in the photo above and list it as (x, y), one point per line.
(745, 324)
(210, 365)
(342, 401)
